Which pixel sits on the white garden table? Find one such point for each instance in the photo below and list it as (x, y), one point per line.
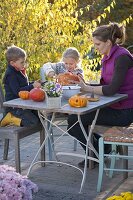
(43, 113)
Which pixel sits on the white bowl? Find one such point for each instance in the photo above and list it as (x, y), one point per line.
(70, 90)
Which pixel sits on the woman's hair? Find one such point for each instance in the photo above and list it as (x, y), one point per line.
(13, 53)
(113, 32)
(71, 52)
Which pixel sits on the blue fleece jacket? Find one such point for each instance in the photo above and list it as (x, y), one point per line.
(15, 81)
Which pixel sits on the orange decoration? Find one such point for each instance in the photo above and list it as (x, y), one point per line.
(78, 101)
(66, 78)
(24, 95)
(37, 94)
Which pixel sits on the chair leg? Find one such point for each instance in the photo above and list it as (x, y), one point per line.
(6, 148)
(101, 164)
(112, 165)
(17, 154)
(91, 154)
(75, 145)
(125, 162)
(42, 137)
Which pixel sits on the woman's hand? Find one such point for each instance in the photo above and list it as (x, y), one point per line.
(82, 83)
(51, 74)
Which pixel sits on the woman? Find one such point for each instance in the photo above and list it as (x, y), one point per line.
(116, 77)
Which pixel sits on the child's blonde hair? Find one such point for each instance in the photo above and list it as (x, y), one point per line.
(13, 53)
(71, 52)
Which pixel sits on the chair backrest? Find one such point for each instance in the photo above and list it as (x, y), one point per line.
(130, 48)
(1, 100)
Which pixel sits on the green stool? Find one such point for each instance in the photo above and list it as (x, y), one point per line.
(117, 138)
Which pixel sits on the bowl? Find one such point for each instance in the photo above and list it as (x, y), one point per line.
(70, 90)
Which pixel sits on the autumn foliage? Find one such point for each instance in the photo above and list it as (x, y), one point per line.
(46, 29)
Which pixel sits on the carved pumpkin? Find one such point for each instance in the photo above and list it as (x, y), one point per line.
(78, 101)
(37, 94)
(66, 78)
(24, 95)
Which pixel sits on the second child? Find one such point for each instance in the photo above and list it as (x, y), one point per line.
(70, 62)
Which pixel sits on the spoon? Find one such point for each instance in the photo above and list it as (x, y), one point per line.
(92, 95)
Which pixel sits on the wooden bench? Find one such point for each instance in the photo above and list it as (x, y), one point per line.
(16, 133)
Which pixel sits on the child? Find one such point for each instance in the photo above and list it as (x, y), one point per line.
(70, 63)
(16, 80)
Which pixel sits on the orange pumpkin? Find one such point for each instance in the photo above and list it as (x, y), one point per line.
(78, 101)
(24, 95)
(66, 78)
(37, 94)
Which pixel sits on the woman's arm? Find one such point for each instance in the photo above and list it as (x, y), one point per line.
(122, 64)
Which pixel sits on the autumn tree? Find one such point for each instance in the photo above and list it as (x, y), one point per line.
(46, 28)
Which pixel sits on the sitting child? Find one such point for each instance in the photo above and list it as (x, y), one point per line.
(16, 80)
(70, 63)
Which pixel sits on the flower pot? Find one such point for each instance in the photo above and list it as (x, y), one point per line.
(53, 102)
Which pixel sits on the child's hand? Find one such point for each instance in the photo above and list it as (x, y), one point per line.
(51, 74)
(37, 84)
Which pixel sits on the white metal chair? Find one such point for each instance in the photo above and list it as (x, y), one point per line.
(16, 133)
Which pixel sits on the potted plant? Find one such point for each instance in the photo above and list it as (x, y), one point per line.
(53, 94)
(14, 186)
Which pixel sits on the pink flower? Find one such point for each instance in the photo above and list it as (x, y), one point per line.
(14, 186)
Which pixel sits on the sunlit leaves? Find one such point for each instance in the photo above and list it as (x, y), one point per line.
(45, 30)
(127, 20)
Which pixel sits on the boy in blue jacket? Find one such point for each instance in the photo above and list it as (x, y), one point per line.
(16, 80)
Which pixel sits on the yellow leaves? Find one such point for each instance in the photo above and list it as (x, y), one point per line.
(127, 20)
(103, 15)
(107, 9)
(88, 7)
(115, 198)
(92, 75)
(51, 14)
(46, 29)
(76, 14)
(130, 17)
(123, 196)
(81, 11)
(113, 4)
(99, 19)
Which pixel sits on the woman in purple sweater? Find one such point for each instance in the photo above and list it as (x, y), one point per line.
(116, 77)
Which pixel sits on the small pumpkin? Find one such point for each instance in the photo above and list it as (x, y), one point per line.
(66, 78)
(78, 101)
(24, 95)
(37, 94)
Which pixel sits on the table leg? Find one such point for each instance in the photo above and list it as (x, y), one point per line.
(47, 131)
(88, 145)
